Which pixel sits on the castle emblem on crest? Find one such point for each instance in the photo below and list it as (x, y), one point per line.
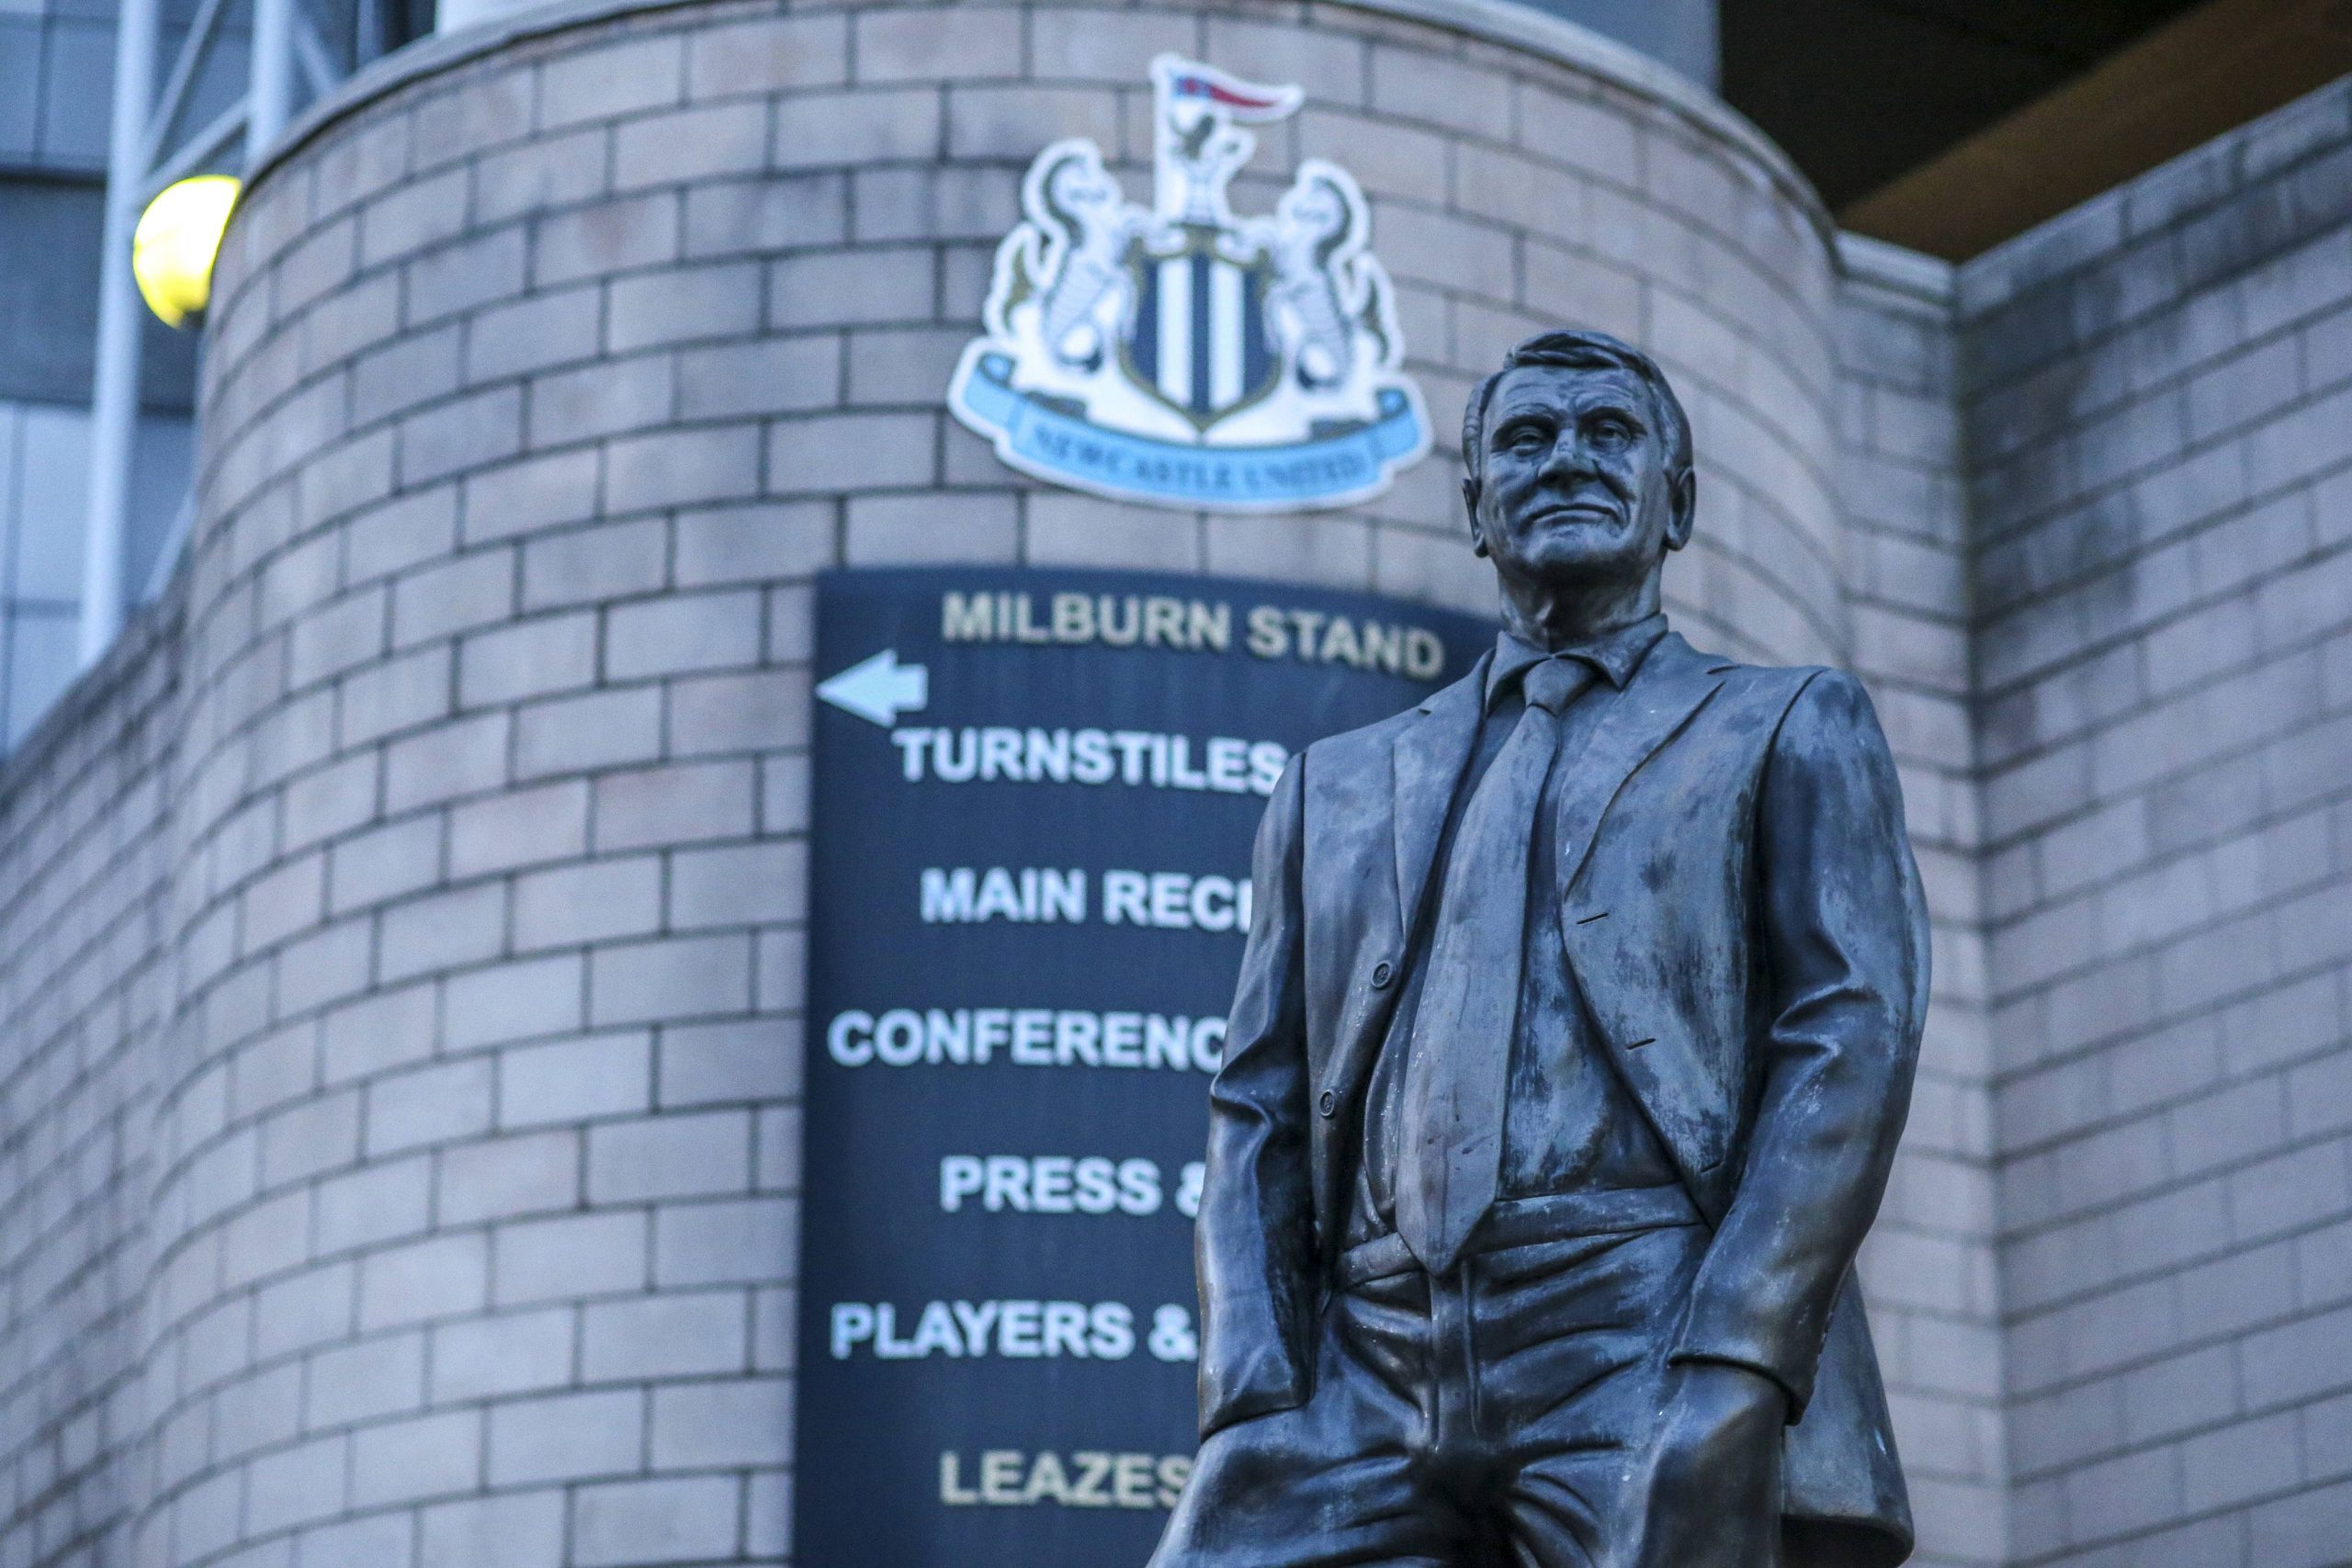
(1180, 354)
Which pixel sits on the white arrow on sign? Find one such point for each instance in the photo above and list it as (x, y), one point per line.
(878, 689)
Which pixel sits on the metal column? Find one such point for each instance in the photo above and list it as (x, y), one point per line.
(114, 394)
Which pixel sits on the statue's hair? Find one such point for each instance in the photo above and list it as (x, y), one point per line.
(1581, 351)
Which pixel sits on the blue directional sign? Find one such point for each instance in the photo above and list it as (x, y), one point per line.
(1034, 799)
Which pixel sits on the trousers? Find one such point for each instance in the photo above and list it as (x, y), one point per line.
(1495, 1416)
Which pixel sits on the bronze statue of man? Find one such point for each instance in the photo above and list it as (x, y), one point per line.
(1573, 1038)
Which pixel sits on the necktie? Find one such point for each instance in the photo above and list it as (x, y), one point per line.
(1459, 1060)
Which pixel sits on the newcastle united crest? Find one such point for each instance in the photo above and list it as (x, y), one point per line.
(1184, 356)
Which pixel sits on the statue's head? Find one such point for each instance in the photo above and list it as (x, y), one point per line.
(1577, 464)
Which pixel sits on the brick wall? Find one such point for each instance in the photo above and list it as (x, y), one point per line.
(2158, 392)
(84, 872)
(1930, 1263)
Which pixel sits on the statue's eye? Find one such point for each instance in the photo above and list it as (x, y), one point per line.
(1611, 433)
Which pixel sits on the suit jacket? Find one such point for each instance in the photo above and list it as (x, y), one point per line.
(1742, 917)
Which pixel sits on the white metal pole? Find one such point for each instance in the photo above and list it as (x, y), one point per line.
(272, 92)
(114, 391)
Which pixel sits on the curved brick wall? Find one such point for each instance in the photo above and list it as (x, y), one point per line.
(544, 371)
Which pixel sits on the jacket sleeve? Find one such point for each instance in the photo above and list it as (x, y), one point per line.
(1844, 939)
(1255, 1240)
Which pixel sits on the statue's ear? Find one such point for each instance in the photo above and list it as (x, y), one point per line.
(1685, 514)
(1470, 511)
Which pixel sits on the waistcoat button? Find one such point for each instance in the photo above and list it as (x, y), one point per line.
(1380, 975)
(1329, 1103)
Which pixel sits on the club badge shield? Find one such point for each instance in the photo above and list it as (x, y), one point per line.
(1180, 355)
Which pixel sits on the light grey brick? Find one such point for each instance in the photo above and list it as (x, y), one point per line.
(784, 793)
(612, 79)
(713, 1062)
(781, 212)
(1009, 121)
(309, 1308)
(386, 1029)
(692, 467)
(399, 694)
(536, 658)
(506, 1178)
(442, 1276)
(287, 900)
(473, 432)
(510, 1353)
(514, 1529)
(403, 375)
(768, 55)
(853, 452)
(672, 978)
(358, 1383)
(895, 46)
(463, 276)
(697, 143)
(673, 1520)
(763, 377)
(429, 1105)
(571, 1256)
(684, 304)
(605, 399)
(337, 636)
(524, 827)
(735, 1422)
(889, 530)
(589, 565)
(605, 237)
(784, 970)
(532, 334)
(754, 543)
(456, 595)
(303, 1140)
(373, 1205)
(741, 1242)
(566, 1436)
(609, 1075)
(676, 1155)
(535, 493)
(513, 1002)
(739, 885)
(865, 287)
(261, 1411)
(601, 730)
(442, 931)
(402, 532)
(1108, 45)
(591, 901)
(679, 634)
(296, 1485)
(677, 804)
(404, 1461)
(667, 1335)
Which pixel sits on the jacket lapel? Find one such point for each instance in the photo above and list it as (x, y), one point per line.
(1427, 762)
(1673, 683)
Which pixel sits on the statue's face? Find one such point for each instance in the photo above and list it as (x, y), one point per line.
(1574, 491)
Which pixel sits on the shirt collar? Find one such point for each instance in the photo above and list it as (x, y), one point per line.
(1614, 656)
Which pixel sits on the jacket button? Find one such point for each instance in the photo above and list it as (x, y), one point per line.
(1329, 1103)
(1381, 974)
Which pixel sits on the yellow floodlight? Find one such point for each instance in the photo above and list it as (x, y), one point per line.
(173, 249)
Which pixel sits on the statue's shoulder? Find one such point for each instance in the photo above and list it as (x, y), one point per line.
(1366, 740)
(1809, 698)
(1740, 684)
